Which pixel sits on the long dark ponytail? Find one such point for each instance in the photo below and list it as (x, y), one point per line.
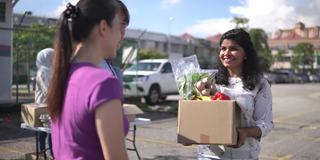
(75, 25)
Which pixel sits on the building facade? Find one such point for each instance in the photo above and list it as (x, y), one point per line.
(206, 50)
(176, 46)
(171, 46)
(287, 39)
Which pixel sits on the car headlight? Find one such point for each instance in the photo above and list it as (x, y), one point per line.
(141, 79)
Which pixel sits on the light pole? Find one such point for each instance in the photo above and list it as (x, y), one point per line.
(17, 63)
(137, 57)
(136, 47)
(169, 41)
(23, 16)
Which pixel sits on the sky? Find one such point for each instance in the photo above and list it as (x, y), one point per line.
(200, 18)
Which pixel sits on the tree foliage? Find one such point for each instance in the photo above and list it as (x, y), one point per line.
(241, 22)
(150, 54)
(27, 43)
(303, 54)
(260, 41)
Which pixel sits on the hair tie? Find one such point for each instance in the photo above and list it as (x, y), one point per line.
(71, 11)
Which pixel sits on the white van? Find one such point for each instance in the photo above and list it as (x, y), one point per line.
(150, 78)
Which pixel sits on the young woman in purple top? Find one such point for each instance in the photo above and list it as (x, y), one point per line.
(84, 100)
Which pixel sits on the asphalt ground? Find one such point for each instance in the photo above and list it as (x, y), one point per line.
(296, 136)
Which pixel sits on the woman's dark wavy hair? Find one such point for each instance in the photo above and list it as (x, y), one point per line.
(75, 25)
(251, 73)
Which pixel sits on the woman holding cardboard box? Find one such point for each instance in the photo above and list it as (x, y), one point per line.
(84, 100)
(239, 77)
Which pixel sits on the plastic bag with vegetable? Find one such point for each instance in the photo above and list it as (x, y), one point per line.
(193, 82)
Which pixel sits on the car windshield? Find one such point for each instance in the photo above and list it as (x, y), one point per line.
(145, 67)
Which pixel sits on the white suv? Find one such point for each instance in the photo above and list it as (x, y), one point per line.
(151, 78)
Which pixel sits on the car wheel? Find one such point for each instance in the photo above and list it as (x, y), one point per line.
(154, 95)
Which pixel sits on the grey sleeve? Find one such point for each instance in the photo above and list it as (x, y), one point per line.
(262, 114)
(43, 81)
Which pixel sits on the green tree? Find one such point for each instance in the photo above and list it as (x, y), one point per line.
(241, 22)
(260, 42)
(280, 53)
(150, 54)
(303, 54)
(27, 43)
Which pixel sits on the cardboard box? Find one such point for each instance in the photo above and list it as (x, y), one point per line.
(131, 110)
(208, 122)
(30, 113)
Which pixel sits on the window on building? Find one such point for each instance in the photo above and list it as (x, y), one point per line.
(284, 59)
(2, 11)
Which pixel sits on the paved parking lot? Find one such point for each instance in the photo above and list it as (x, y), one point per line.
(296, 134)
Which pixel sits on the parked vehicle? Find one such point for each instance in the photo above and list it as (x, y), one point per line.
(291, 77)
(276, 77)
(314, 78)
(303, 77)
(270, 77)
(151, 78)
